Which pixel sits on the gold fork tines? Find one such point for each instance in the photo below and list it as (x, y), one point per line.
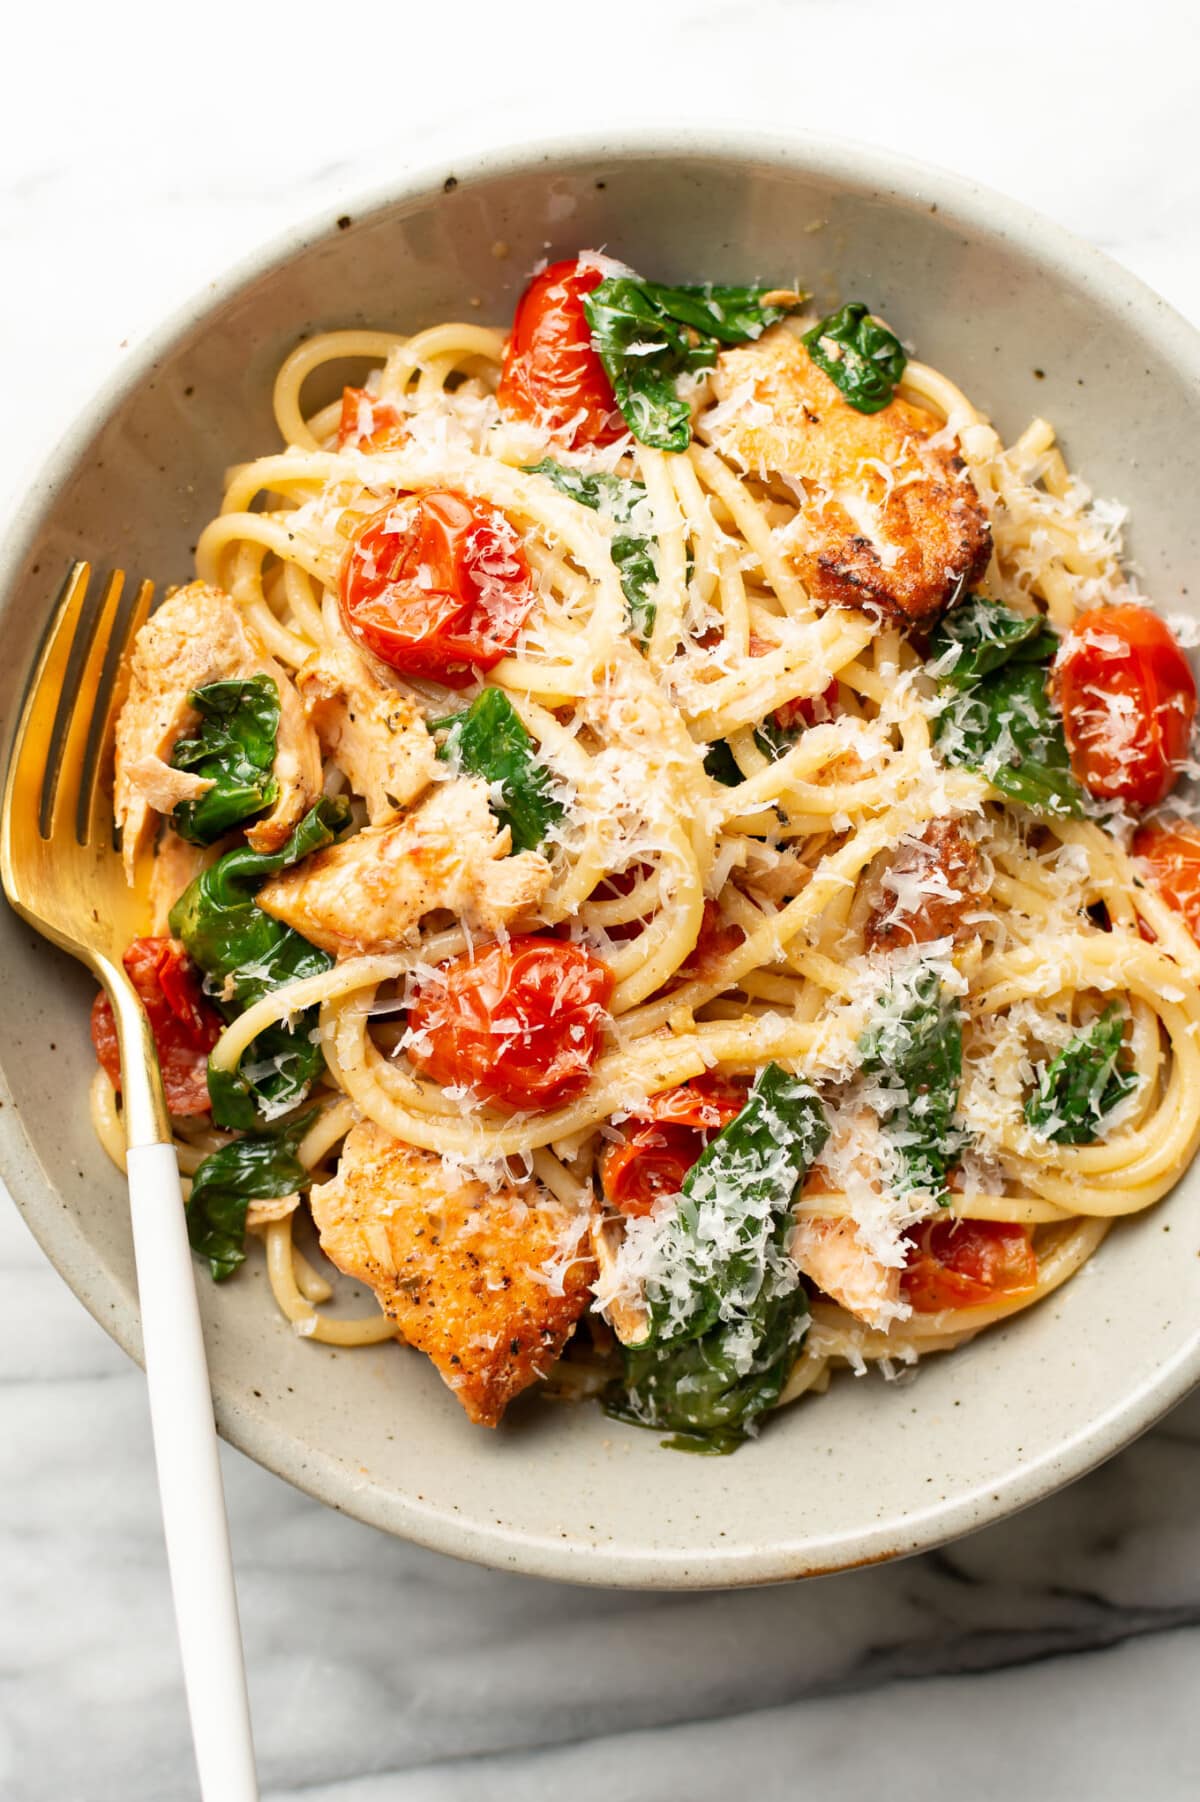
(57, 861)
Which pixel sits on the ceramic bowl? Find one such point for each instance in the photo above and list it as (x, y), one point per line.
(1029, 321)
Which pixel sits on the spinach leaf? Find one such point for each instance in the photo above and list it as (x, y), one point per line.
(1084, 1083)
(721, 764)
(1007, 727)
(717, 1255)
(489, 740)
(246, 954)
(234, 748)
(860, 356)
(708, 1392)
(980, 635)
(915, 1044)
(253, 1169)
(647, 335)
(633, 551)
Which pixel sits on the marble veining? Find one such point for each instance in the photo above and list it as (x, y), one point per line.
(1056, 1655)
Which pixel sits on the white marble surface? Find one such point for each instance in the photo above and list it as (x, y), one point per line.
(141, 149)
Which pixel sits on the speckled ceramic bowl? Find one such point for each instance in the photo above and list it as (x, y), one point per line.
(1028, 320)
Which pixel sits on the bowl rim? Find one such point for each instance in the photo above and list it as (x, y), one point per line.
(987, 215)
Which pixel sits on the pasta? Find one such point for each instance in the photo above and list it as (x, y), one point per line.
(713, 872)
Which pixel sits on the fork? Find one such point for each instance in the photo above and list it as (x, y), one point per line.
(61, 873)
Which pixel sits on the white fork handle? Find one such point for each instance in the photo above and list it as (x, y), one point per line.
(189, 1481)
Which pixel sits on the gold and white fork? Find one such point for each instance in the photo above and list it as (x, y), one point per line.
(61, 872)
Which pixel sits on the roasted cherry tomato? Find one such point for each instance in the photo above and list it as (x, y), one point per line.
(964, 1263)
(1128, 699)
(185, 1025)
(551, 374)
(1172, 856)
(436, 585)
(710, 1101)
(652, 1161)
(716, 939)
(519, 1023)
(368, 423)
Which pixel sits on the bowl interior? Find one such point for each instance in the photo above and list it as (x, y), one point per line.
(1027, 322)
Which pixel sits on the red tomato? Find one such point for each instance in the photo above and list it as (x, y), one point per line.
(368, 424)
(964, 1263)
(520, 1023)
(716, 939)
(551, 373)
(1128, 699)
(652, 1161)
(436, 585)
(1172, 854)
(185, 1025)
(711, 1100)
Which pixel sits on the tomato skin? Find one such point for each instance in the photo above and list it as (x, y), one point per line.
(436, 585)
(368, 424)
(813, 710)
(652, 1161)
(520, 1023)
(710, 1101)
(965, 1263)
(1128, 700)
(551, 374)
(185, 1025)
(1172, 856)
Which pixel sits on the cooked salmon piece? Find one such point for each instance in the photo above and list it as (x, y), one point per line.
(197, 636)
(371, 893)
(829, 1252)
(489, 1284)
(372, 731)
(928, 891)
(888, 519)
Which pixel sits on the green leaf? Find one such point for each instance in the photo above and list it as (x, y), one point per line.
(234, 749)
(1084, 1083)
(633, 552)
(245, 953)
(721, 764)
(647, 335)
(1007, 728)
(489, 740)
(979, 636)
(859, 355)
(260, 1168)
(706, 1391)
(914, 1043)
(718, 1242)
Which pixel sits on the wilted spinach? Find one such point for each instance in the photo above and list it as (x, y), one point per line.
(633, 552)
(246, 953)
(234, 749)
(260, 1168)
(914, 1043)
(859, 355)
(1081, 1086)
(488, 740)
(979, 636)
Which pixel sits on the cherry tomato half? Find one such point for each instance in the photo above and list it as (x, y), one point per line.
(368, 424)
(185, 1025)
(652, 1161)
(964, 1263)
(519, 1023)
(1128, 700)
(1172, 856)
(710, 1101)
(436, 585)
(551, 374)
